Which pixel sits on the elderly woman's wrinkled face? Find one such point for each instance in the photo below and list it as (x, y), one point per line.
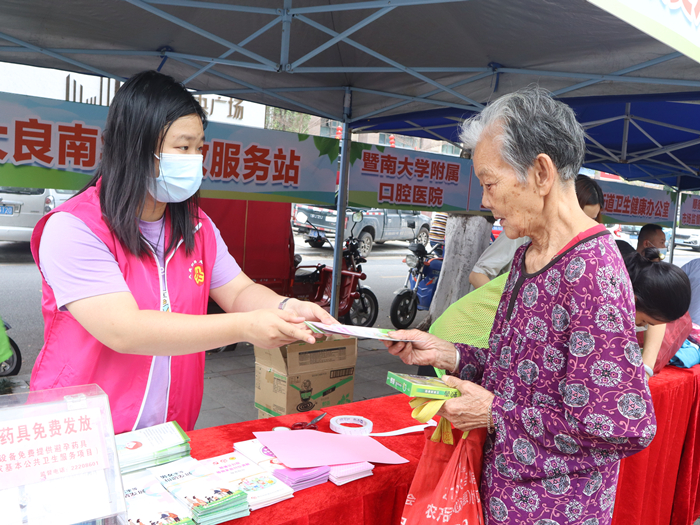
(515, 203)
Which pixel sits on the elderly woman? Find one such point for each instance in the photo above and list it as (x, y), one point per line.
(561, 388)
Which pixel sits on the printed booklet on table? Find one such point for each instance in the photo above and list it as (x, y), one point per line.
(148, 447)
(147, 501)
(204, 493)
(241, 473)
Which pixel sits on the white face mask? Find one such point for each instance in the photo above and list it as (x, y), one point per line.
(179, 177)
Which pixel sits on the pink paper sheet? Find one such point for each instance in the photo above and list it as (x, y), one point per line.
(311, 448)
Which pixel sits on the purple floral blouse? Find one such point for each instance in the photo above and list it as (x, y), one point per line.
(572, 397)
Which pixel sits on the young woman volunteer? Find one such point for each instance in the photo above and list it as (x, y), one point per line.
(661, 296)
(129, 264)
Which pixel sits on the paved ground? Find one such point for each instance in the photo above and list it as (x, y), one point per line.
(229, 381)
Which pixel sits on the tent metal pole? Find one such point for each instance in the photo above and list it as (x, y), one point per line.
(342, 204)
(625, 132)
(57, 56)
(231, 51)
(313, 111)
(675, 218)
(340, 37)
(201, 32)
(286, 34)
(387, 60)
(424, 96)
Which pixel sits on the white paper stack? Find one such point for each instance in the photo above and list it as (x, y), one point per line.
(148, 447)
(238, 471)
(147, 501)
(297, 478)
(342, 474)
(210, 499)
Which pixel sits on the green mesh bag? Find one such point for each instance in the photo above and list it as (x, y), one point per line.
(470, 319)
(5, 349)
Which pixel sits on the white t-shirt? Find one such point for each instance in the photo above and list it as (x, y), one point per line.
(497, 258)
(692, 270)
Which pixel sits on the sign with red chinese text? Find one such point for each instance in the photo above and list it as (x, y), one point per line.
(56, 144)
(258, 164)
(51, 446)
(690, 211)
(630, 204)
(397, 178)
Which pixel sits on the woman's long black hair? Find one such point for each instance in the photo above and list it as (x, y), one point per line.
(589, 193)
(139, 117)
(661, 290)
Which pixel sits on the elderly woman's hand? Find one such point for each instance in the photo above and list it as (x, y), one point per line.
(423, 349)
(471, 409)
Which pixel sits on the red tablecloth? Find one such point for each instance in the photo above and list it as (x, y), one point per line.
(660, 485)
(378, 499)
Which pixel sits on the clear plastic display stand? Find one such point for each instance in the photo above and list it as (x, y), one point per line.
(58, 461)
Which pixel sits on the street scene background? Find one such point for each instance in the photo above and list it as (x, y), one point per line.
(20, 300)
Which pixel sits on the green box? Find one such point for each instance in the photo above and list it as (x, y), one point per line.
(421, 386)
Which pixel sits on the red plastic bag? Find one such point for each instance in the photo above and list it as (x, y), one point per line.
(445, 488)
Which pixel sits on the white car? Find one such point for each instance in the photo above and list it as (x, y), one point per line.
(689, 237)
(21, 209)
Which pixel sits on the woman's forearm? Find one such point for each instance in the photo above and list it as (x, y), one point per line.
(653, 339)
(116, 321)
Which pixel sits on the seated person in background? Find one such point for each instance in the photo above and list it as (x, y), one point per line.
(495, 260)
(662, 295)
(652, 236)
(692, 270)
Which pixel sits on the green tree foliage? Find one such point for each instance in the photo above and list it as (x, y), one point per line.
(285, 120)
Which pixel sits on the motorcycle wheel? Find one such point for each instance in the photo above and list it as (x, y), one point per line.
(401, 313)
(316, 244)
(11, 366)
(360, 315)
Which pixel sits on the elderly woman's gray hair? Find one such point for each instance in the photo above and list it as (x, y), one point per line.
(530, 122)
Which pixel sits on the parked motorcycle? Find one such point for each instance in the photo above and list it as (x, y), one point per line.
(421, 282)
(357, 304)
(11, 366)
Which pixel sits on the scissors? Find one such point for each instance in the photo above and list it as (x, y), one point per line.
(311, 425)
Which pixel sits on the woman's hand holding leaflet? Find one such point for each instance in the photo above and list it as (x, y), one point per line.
(273, 328)
(310, 311)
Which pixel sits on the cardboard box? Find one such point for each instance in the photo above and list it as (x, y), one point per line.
(263, 415)
(301, 377)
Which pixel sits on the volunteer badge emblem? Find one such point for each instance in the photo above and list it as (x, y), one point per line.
(197, 272)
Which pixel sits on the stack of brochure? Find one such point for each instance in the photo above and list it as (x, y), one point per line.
(297, 478)
(151, 446)
(238, 471)
(210, 499)
(303, 478)
(342, 474)
(147, 501)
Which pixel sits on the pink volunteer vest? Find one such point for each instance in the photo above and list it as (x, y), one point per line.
(71, 356)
